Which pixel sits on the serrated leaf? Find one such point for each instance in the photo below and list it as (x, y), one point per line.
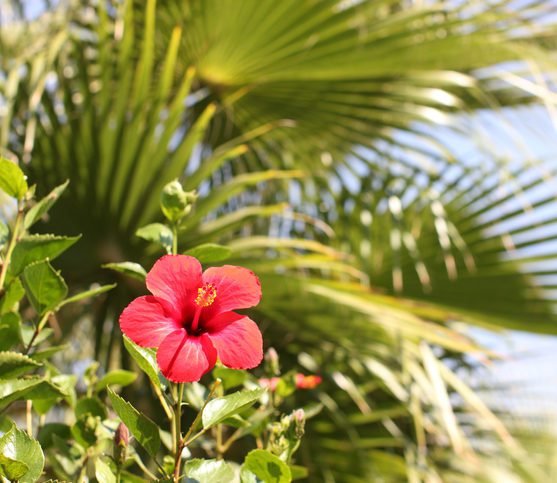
(118, 377)
(157, 233)
(145, 431)
(209, 471)
(44, 286)
(12, 179)
(13, 470)
(145, 359)
(13, 294)
(93, 292)
(42, 207)
(267, 467)
(36, 248)
(18, 445)
(33, 388)
(210, 253)
(14, 364)
(220, 408)
(103, 472)
(134, 270)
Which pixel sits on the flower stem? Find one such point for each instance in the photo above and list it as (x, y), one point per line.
(174, 239)
(179, 445)
(11, 245)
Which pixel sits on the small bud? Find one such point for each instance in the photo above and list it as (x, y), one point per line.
(121, 442)
(272, 362)
(299, 417)
(175, 202)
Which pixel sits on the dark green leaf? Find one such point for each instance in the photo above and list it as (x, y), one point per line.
(221, 408)
(209, 471)
(210, 253)
(93, 292)
(44, 286)
(35, 248)
(145, 431)
(14, 364)
(12, 179)
(18, 445)
(267, 467)
(42, 207)
(84, 430)
(9, 330)
(90, 405)
(157, 233)
(47, 432)
(117, 377)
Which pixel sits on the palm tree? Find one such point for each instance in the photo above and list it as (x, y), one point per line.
(325, 140)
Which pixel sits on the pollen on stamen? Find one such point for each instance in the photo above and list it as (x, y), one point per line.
(206, 295)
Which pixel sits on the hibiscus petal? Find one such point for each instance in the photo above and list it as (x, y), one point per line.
(175, 279)
(237, 339)
(146, 322)
(237, 288)
(184, 358)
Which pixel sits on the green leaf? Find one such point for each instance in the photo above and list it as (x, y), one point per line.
(267, 467)
(93, 292)
(4, 234)
(118, 377)
(84, 430)
(134, 270)
(42, 207)
(12, 179)
(13, 470)
(48, 352)
(157, 233)
(35, 248)
(47, 432)
(19, 446)
(210, 253)
(33, 388)
(220, 408)
(103, 472)
(230, 377)
(44, 286)
(146, 359)
(9, 330)
(14, 364)
(26, 334)
(90, 405)
(14, 293)
(209, 471)
(145, 431)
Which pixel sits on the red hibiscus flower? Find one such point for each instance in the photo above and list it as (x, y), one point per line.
(189, 318)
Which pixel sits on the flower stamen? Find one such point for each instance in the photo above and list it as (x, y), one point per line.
(206, 295)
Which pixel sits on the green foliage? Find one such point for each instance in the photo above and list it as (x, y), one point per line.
(44, 286)
(17, 446)
(37, 211)
(210, 253)
(157, 233)
(141, 427)
(14, 364)
(267, 467)
(12, 179)
(224, 407)
(209, 471)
